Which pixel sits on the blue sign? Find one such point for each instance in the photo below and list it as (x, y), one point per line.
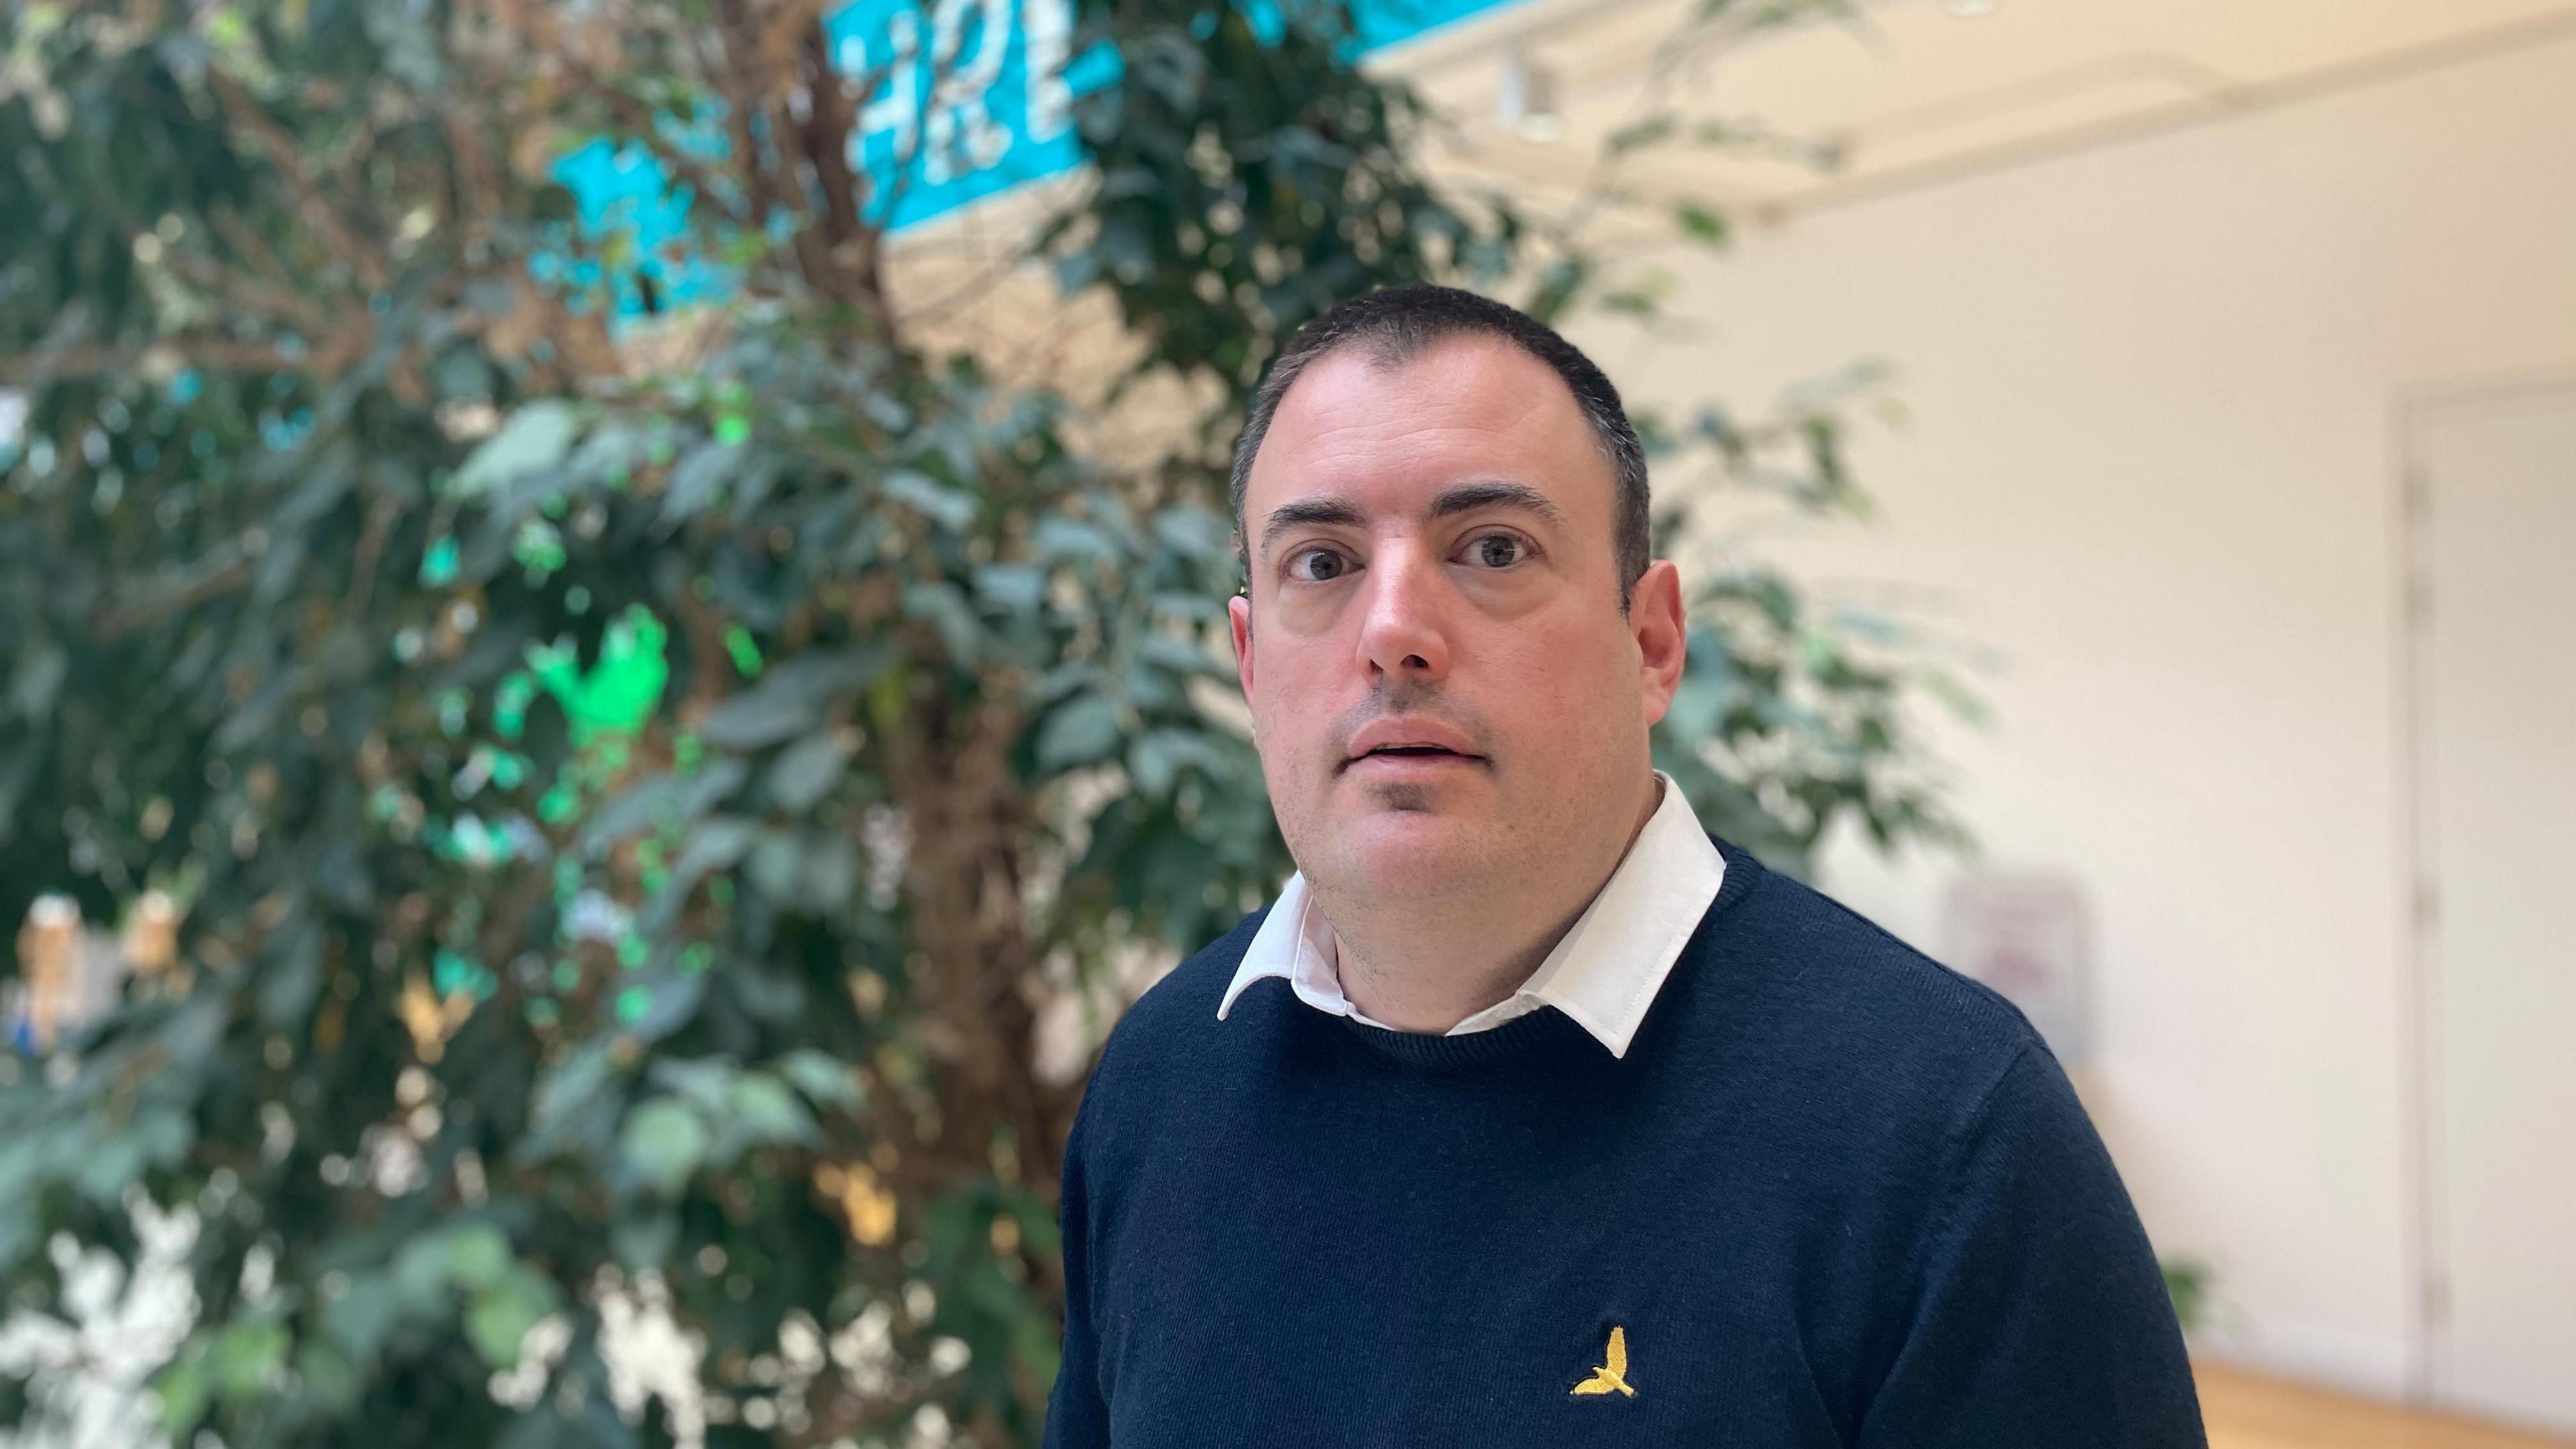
(963, 99)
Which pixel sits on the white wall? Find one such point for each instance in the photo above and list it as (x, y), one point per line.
(2151, 462)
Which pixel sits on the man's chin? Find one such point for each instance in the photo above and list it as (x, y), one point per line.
(1423, 850)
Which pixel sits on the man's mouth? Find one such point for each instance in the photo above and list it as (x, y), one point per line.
(1406, 758)
(1409, 744)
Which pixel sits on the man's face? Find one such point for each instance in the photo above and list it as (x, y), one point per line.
(1444, 691)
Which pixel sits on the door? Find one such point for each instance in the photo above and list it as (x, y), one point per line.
(2495, 653)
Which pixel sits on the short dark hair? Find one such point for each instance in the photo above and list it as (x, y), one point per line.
(1401, 323)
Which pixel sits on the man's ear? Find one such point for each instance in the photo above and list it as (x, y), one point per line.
(1656, 619)
(1238, 617)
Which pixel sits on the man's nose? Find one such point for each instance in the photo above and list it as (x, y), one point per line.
(1402, 629)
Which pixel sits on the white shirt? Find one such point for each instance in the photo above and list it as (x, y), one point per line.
(1604, 972)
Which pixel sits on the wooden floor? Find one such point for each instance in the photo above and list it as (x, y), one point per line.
(2246, 1411)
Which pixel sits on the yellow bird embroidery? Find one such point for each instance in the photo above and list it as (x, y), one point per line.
(1612, 1376)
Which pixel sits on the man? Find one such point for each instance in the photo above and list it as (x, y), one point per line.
(1527, 1114)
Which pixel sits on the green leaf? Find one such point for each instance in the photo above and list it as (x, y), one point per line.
(362, 1319)
(327, 1376)
(943, 606)
(715, 844)
(1198, 532)
(38, 680)
(2187, 1283)
(1064, 679)
(1638, 135)
(1081, 732)
(698, 480)
(1011, 588)
(630, 812)
(1182, 656)
(791, 697)
(476, 1257)
(950, 508)
(825, 1079)
(419, 1281)
(702, 1082)
(609, 454)
(1559, 283)
(575, 1088)
(764, 1110)
(1703, 225)
(807, 770)
(292, 975)
(830, 872)
(157, 1136)
(498, 1320)
(663, 1144)
(17, 774)
(537, 437)
(184, 1388)
(1060, 539)
(1157, 757)
(244, 1359)
(662, 1003)
(645, 1240)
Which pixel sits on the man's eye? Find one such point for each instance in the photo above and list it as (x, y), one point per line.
(1497, 551)
(1318, 565)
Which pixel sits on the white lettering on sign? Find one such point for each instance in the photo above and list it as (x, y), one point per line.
(1049, 26)
(898, 110)
(960, 104)
(960, 109)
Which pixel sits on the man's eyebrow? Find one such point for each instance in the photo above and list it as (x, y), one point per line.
(1461, 498)
(1303, 512)
(1496, 493)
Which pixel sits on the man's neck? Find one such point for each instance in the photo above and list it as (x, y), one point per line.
(1425, 966)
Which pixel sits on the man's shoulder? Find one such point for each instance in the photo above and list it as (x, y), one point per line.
(1810, 981)
(1850, 961)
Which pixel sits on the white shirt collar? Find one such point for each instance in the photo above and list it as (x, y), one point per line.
(1603, 973)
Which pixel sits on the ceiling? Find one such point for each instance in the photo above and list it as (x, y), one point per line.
(1907, 93)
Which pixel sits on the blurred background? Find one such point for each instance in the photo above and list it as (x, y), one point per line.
(611, 652)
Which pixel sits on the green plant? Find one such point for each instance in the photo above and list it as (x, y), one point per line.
(520, 1004)
(2189, 1282)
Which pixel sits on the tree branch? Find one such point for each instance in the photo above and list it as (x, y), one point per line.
(326, 359)
(316, 209)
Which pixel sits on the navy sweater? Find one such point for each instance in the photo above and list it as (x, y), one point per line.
(1833, 1195)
